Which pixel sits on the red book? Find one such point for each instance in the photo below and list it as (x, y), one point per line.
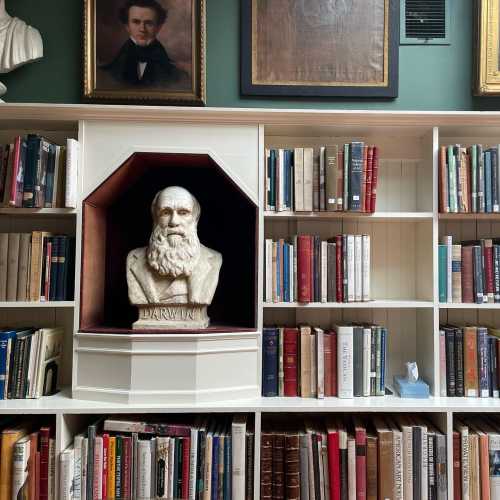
(338, 266)
(327, 349)
(105, 464)
(304, 275)
(333, 335)
(311, 267)
(15, 170)
(126, 463)
(44, 462)
(363, 183)
(488, 268)
(333, 462)
(457, 477)
(360, 436)
(369, 170)
(32, 464)
(186, 442)
(290, 350)
(374, 179)
(37, 475)
(467, 275)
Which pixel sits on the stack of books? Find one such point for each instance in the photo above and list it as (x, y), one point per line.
(308, 269)
(30, 361)
(397, 456)
(28, 461)
(37, 266)
(469, 361)
(346, 361)
(333, 178)
(35, 173)
(469, 179)
(469, 271)
(476, 456)
(118, 458)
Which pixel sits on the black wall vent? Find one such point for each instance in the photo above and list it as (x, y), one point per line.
(425, 22)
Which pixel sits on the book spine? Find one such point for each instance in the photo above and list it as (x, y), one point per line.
(270, 362)
(355, 178)
(266, 465)
(290, 361)
(339, 278)
(373, 201)
(357, 361)
(456, 260)
(72, 159)
(489, 286)
(303, 268)
(442, 363)
(471, 382)
(443, 182)
(457, 481)
(345, 362)
(15, 172)
(494, 451)
(478, 274)
(292, 467)
(496, 273)
(493, 377)
(298, 165)
(459, 363)
(483, 353)
(331, 156)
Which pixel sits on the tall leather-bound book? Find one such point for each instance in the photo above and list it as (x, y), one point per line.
(270, 362)
(304, 275)
(292, 466)
(471, 380)
(290, 360)
(278, 466)
(266, 465)
(371, 466)
(467, 275)
(385, 459)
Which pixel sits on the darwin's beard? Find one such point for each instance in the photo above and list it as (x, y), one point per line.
(174, 255)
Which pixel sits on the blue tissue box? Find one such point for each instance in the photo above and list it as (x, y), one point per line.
(418, 389)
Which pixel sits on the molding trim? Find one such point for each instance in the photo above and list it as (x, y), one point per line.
(158, 352)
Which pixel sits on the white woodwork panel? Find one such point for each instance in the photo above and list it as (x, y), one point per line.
(107, 145)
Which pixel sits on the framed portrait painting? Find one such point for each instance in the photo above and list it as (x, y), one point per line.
(145, 51)
(487, 48)
(320, 48)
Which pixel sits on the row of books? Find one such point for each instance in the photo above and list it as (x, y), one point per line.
(28, 461)
(360, 457)
(36, 173)
(37, 266)
(476, 457)
(469, 271)
(30, 360)
(346, 361)
(333, 178)
(469, 361)
(211, 458)
(309, 269)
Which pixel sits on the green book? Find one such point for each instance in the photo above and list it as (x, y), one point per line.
(443, 267)
(118, 467)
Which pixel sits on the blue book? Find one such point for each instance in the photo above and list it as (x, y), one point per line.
(487, 181)
(215, 465)
(443, 269)
(6, 339)
(383, 343)
(227, 467)
(286, 272)
(483, 361)
(270, 342)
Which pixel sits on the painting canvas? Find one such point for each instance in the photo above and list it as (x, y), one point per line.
(145, 50)
(319, 47)
(487, 48)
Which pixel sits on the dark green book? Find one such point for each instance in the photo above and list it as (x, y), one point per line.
(118, 467)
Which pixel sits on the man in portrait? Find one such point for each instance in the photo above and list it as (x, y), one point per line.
(142, 60)
(175, 268)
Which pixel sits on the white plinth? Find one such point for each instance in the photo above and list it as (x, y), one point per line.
(166, 368)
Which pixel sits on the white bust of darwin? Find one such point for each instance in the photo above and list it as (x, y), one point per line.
(19, 43)
(175, 268)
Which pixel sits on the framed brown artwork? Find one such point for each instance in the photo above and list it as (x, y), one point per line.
(487, 48)
(319, 48)
(145, 51)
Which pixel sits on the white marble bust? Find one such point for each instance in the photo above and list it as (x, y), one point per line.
(19, 43)
(175, 268)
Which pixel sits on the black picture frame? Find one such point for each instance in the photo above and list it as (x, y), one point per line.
(388, 90)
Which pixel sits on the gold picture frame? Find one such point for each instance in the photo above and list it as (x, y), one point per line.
(175, 73)
(487, 48)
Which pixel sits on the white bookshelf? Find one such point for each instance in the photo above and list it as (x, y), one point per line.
(405, 231)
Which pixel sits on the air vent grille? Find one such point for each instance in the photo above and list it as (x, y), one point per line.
(425, 21)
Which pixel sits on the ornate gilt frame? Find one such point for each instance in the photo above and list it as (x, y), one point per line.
(487, 67)
(150, 96)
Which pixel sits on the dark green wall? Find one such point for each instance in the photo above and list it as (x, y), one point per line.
(430, 78)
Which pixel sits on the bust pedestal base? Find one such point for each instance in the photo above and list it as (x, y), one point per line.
(167, 369)
(171, 317)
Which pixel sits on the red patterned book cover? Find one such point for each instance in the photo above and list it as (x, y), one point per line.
(373, 200)
(304, 275)
(290, 349)
(44, 462)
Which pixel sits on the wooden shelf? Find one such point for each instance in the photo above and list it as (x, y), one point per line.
(470, 216)
(48, 304)
(462, 305)
(377, 216)
(38, 211)
(372, 304)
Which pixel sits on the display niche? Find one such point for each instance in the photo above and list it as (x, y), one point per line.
(117, 218)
